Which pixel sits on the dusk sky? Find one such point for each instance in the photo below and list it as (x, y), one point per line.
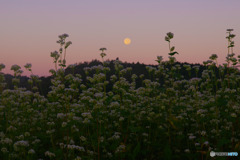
(30, 29)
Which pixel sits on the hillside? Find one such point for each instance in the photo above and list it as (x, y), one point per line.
(137, 68)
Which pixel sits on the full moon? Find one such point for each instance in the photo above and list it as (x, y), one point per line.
(127, 41)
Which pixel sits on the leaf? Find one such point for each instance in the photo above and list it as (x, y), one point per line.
(237, 146)
(172, 124)
(172, 49)
(167, 39)
(173, 53)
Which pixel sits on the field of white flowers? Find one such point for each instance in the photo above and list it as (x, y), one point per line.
(179, 119)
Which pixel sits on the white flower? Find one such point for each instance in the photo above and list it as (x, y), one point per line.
(61, 115)
(2, 135)
(101, 139)
(170, 35)
(234, 115)
(203, 133)
(63, 36)
(31, 151)
(187, 150)
(98, 95)
(15, 67)
(200, 111)
(192, 137)
(159, 58)
(36, 141)
(145, 134)
(206, 143)
(121, 119)
(86, 121)
(103, 55)
(120, 148)
(77, 158)
(50, 131)
(4, 150)
(50, 123)
(90, 152)
(87, 114)
(83, 138)
(6, 141)
(19, 144)
(197, 144)
(2, 66)
(73, 147)
(28, 66)
(109, 155)
(115, 136)
(20, 137)
(27, 134)
(49, 154)
(64, 124)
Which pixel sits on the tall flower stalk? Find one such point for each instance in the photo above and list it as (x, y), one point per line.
(230, 40)
(63, 46)
(2, 79)
(102, 54)
(230, 57)
(172, 51)
(168, 38)
(17, 72)
(34, 80)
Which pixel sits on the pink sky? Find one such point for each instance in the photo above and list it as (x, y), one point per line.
(30, 29)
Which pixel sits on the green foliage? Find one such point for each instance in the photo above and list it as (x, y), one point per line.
(173, 53)
(115, 110)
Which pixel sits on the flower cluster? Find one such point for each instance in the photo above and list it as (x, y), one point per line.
(174, 111)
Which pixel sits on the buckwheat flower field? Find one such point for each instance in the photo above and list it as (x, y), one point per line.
(170, 116)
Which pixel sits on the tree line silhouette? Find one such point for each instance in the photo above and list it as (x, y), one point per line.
(137, 69)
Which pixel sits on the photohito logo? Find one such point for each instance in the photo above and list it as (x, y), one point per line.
(212, 153)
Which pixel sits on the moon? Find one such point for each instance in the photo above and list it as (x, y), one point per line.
(127, 41)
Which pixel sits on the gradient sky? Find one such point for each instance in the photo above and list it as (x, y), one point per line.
(30, 28)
